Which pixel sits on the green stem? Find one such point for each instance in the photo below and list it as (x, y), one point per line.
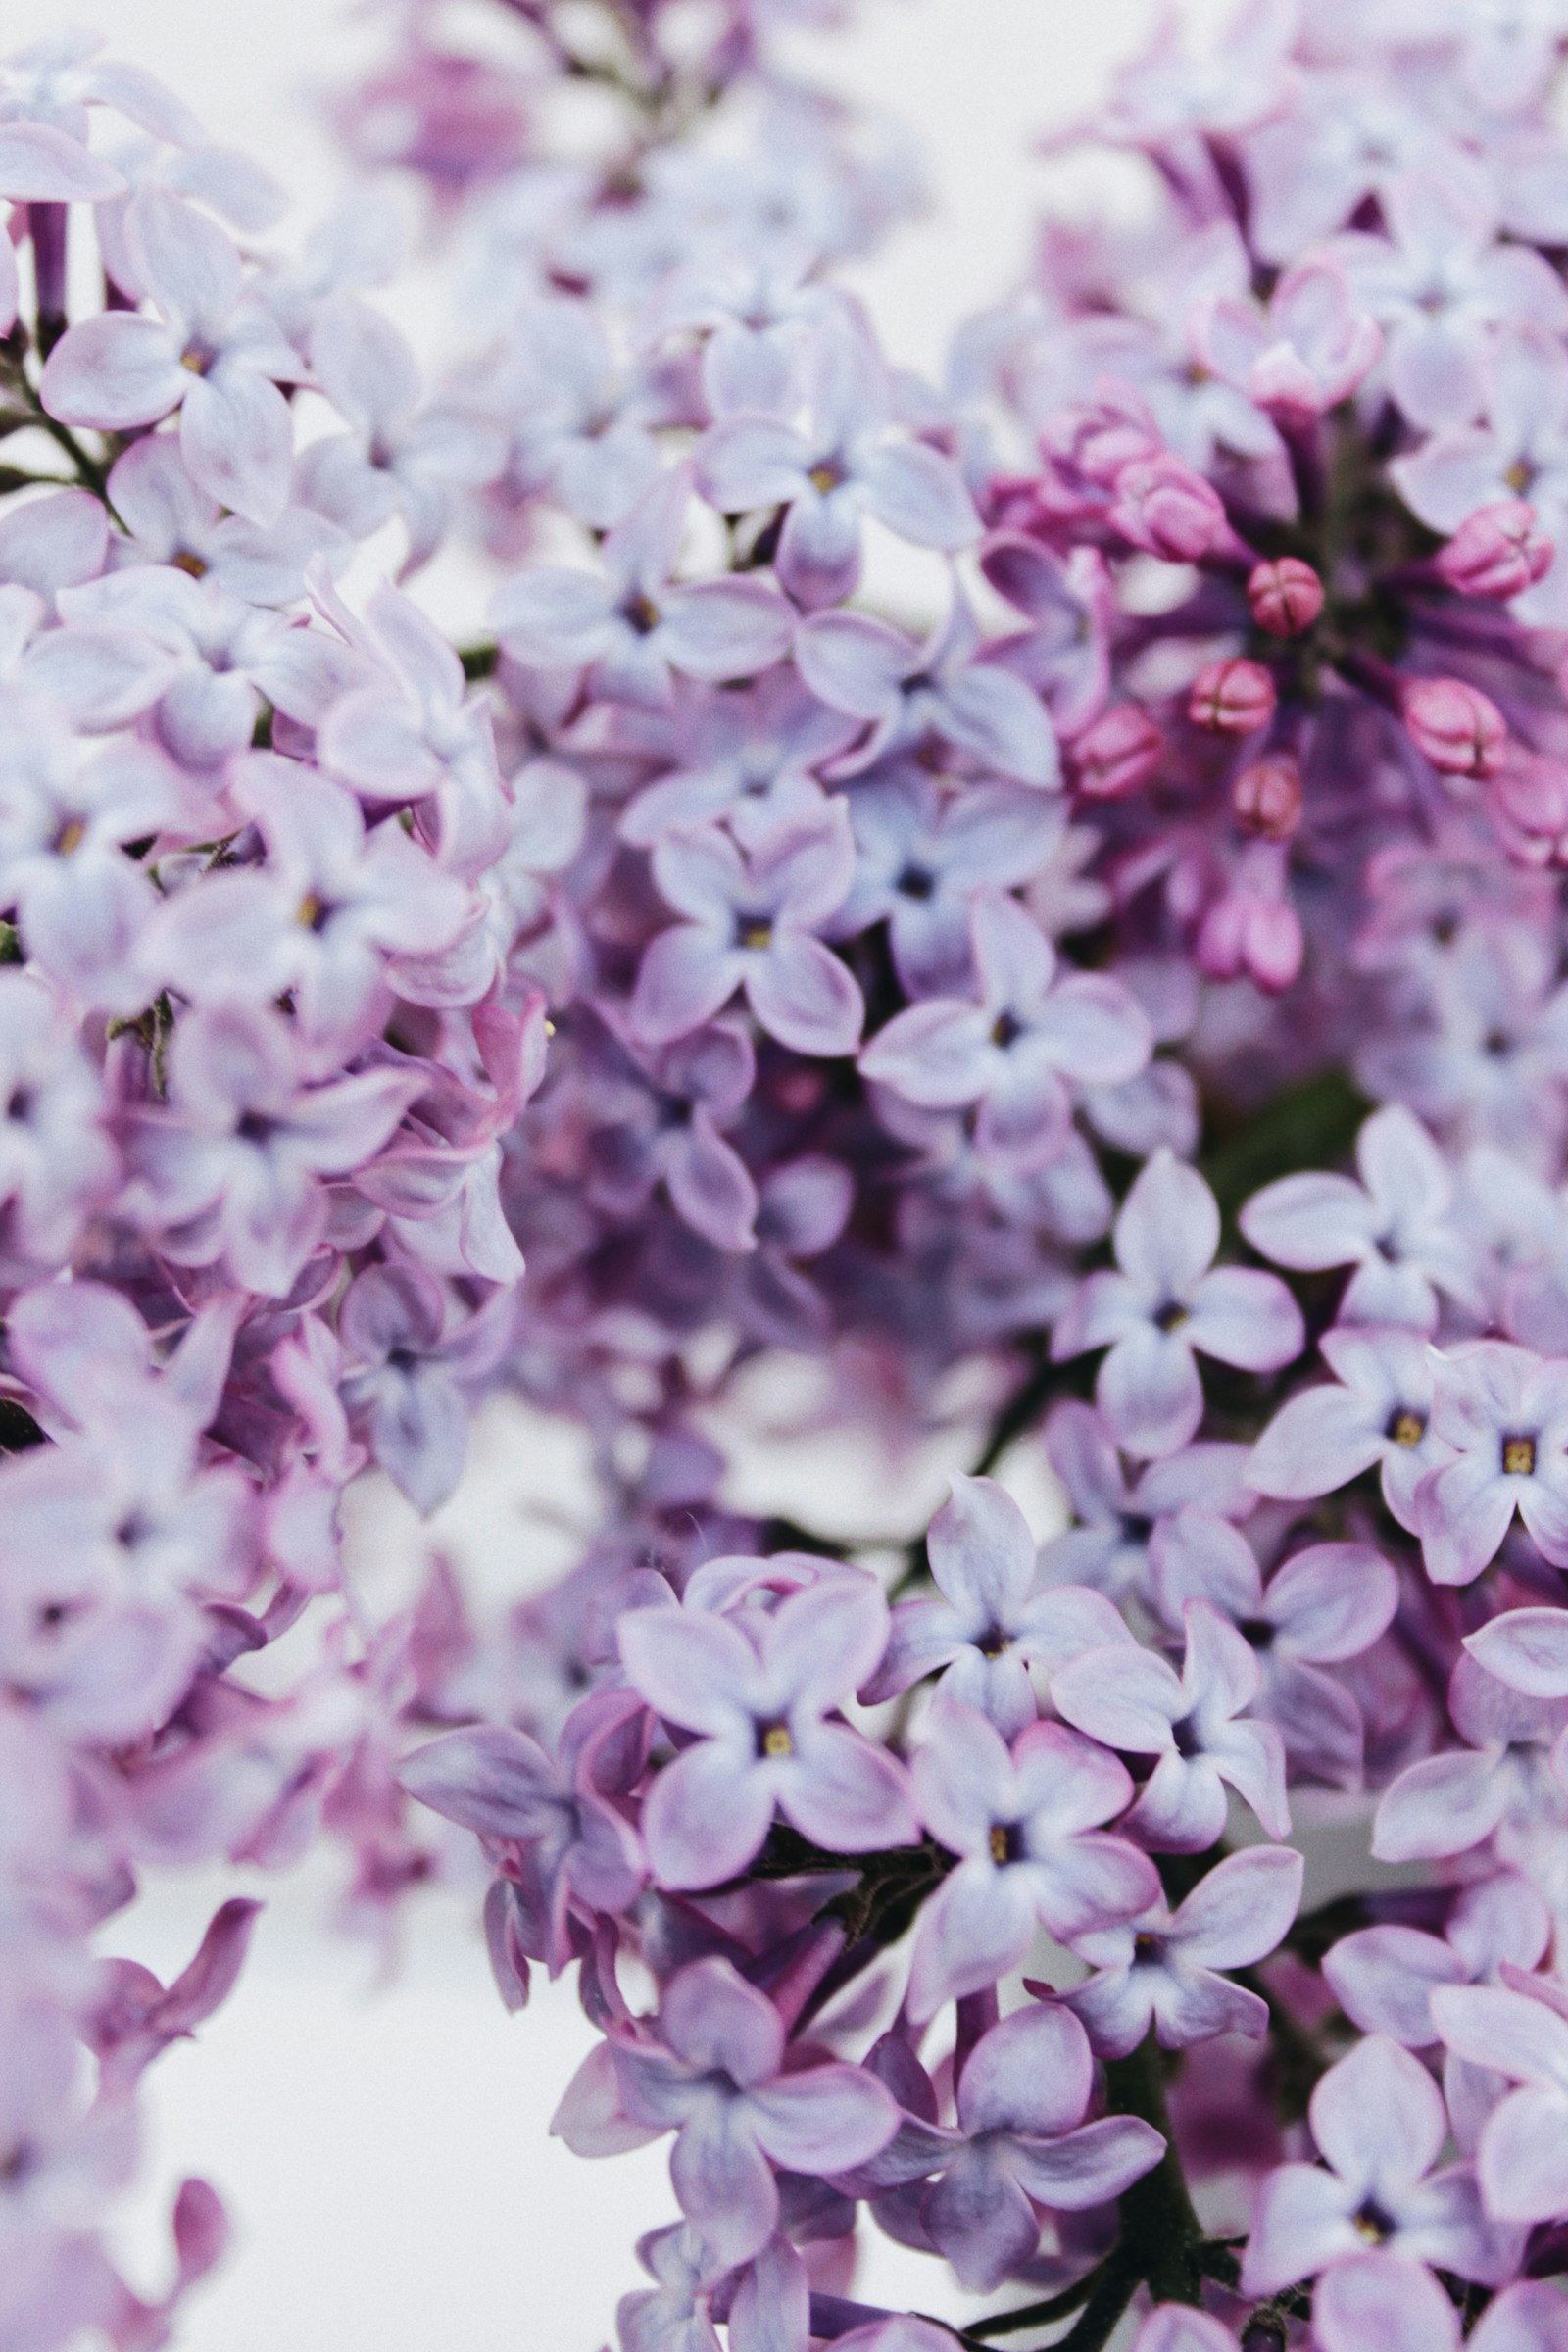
(1162, 2236)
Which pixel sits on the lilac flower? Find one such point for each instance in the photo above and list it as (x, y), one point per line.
(554, 1815)
(229, 1167)
(1437, 282)
(1028, 1830)
(1500, 1414)
(845, 462)
(1010, 1052)
(1021, 2141)
(1383, 2301)
(634, 627)
(1167, 1300)
(1396, 1227)
(397, 459)
(1501, 1781)
(908, 694)
(752, 922)
(1065, 653)
(406, 1353)
(1304, 356)
(1323, 1606)
(57, 1165)
(1520, 452)
(1165, 1966)
(1378, 1409)
(1194, 1724)
(169, 520)
(751, 745)
(1380, 2125)
(1523, 2156)
(716, 2077)
(1383, 1977)
(1108, 1548)
(921, 858)
(216, 354)
(135, 2018)
(996, 1617)
(671, 2316)
(763, 1705)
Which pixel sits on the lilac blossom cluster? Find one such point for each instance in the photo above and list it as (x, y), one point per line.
(1124, 988)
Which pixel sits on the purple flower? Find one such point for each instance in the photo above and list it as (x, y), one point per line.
(846, 460)
(747, 749)
(921, 857)
(908, 694)
(1011, 1052)
(1378, 1409)
(1383, 1977)
(1163, 1968)
(1522, 2155)
(1065, 653)
(1439, 282)
(1500, 1414)
(1500, 1780)
(230, 1168)
(1380, 2125)
(1395, 1227)
(1027, 1828)
(1382, 2303)
(1167, 1301)
(1021, 2141)
(715, 2077)
(1110, 1546)
(1194, 1725)
(633, 627)
(554, 1815)
(752, 923)
(996, 1617)
(407, 1347)
(763, 1702)
(57, 1165)
(1303, 356)
(1323, 1606)
(216, 354)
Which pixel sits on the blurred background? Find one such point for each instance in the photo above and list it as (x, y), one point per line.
(376, 2123)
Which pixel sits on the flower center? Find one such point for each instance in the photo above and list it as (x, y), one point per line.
(1406, 1429)
(1004, 1842)
(1373, 2224)
(1519, 1457)
(773, 1739)
(193, 565)
(1172, 1318)
(757, 935)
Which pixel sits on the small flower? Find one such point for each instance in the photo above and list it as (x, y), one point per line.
(1502, 1414)
(1380, 2125)
(1194, 1725)
(1163, 1966)
(1027, 1829)
(996, 1615)
(762, 1704)
(1167, 1300)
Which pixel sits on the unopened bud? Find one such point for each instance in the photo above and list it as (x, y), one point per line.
(1122, 749)
(1497, 553)
(1166, 508)
(1461, 730)
(1232, 697)
(1285, 596)
(1268, 797)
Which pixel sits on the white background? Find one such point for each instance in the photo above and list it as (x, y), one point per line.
(383, 2149)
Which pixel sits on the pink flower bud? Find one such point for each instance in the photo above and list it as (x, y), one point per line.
(1497, 553)
(1166, 508)
(1099, 439)
(1119, 752)
(1285, 596)
(1461, 730)
(1268, 797)
(1232, 697)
